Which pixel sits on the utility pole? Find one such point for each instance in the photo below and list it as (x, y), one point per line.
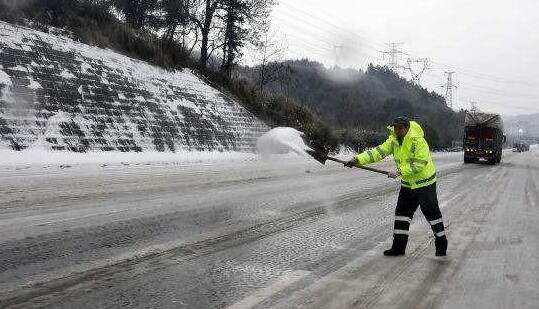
(417, 67)
(449, 89)
(337, 48)
(393, 56)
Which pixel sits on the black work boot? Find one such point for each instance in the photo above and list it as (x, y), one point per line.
(399, 246)
(441, 246)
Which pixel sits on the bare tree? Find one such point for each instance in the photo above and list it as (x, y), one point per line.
(204, 22)
(257, 13)
(246, 21)
(185, 33)
(270, 51)
(238, 21)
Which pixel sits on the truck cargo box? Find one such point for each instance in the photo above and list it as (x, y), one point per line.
(483, 119)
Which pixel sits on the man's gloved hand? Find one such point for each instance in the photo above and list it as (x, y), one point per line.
(393, 175)
(351, 163)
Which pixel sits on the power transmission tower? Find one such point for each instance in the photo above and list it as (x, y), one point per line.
(522, 130)
(393, 56)
(337, 48)
(449, 89)
(417, 67)
(474, 108)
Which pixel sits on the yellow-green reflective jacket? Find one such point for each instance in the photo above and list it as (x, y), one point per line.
(412, 157)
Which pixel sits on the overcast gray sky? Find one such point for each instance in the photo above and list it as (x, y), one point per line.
(493, 46)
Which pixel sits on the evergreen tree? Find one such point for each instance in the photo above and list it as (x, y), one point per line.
(137, 13)
(234, 35)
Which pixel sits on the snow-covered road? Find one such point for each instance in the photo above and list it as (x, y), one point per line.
(283, 234)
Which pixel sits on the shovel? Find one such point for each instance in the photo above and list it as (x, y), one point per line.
(322, 156)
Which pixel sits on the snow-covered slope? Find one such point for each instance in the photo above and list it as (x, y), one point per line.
(59, 94)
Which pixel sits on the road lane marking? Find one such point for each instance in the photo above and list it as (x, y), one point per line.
(260, 295)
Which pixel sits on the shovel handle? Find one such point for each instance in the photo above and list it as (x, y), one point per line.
(360, 166)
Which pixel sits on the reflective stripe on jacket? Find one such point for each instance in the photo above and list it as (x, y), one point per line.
(412, 157)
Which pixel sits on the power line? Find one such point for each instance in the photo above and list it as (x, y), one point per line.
(317, 35)
(319, 47)
(416, 66)
(325, 41)
(483, 76)
(497, 92)
(462, 71)
(464, 101)
(318, 18)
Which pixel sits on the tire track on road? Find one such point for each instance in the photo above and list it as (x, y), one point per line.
(383, 272)
(102, 277)
(99, 276)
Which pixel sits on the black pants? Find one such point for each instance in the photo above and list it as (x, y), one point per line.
(407, 204)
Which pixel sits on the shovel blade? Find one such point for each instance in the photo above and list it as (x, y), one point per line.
(319, 153)
(318, 156)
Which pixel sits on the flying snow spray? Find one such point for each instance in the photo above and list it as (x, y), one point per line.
(282, 140)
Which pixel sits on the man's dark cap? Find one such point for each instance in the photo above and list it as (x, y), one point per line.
(401, 122)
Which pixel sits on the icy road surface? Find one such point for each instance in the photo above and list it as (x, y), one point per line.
(287, 234)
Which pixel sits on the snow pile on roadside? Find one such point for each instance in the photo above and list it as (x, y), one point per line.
(41, 157)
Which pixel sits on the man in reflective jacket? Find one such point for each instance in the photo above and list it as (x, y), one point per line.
(418, 179)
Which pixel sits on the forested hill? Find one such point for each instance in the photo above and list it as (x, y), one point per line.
(361, 101)
(355, 106)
